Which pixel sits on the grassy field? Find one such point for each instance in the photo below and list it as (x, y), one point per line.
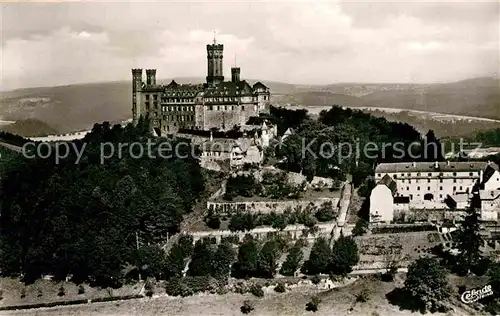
(340, 301)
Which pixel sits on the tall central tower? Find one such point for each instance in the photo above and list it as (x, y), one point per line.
(214, 62)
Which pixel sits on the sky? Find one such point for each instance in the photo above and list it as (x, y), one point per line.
(306, 42)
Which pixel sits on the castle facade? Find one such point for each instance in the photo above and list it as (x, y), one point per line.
(216, 103)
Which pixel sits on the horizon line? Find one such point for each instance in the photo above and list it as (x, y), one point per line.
(262, 80)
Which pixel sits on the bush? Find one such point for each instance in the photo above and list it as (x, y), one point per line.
(280, 288)
(81, 289)
(362, 297)
(247, 307)
(62, 291)
(315, 279)
(257, 290)
(23, 293)
(173, 287)
(149, 288)
(313, 305)
(481, 267)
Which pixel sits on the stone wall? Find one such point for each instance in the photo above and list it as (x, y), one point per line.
(293, 232)
(265, 207)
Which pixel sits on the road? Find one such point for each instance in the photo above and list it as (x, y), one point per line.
(343, 206)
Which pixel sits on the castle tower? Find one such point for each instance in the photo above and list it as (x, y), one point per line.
(214, 63)
(136, 94)
(151, 77)
(235, 74)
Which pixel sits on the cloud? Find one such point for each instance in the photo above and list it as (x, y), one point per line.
(303, 42)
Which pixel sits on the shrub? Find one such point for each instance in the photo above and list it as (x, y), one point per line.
(23, 293)
(62, 291)
(315, 279)
(149, 288)
(257, 290)
(173, 287)
(280, 288)
(81, 289)
(313, 305)
(247, 307)
(362, 297)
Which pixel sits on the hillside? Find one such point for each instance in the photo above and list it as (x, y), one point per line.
(29, 128)
(78, 107)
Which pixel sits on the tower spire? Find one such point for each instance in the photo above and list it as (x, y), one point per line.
(235, 60)
(215, 41)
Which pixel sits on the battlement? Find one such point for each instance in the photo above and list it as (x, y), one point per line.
(136, 72)
(215, 47)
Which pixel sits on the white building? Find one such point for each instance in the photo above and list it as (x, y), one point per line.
(429, 186)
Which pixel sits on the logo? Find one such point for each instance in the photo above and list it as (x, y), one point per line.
(476, 294)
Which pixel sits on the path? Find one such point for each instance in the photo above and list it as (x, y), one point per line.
(343, 207)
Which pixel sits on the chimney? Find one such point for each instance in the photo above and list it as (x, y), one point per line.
(211, 136)
(414, 164)
(447, 162)
(436, 164)
(235, 74)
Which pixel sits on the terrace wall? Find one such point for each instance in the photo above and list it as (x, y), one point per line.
(265, 207)
(294, 232)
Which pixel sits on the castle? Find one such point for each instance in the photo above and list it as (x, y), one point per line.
(216, 104)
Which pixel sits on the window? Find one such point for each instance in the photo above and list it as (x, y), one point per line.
(416, 181)
(454, 174)
(441, 188)
(440, 180)
(418, 188)
(402, 174)
(411, 196)
(428, 188)
(470, 174)
(454, 188)
(379, 174)
(461, 188)
(407, 188)
(429, 174)
(440, 196)
(155, 97)
(428, 180)
(147, 96)
(210, 108)
(454, 180)
(402, 181)
(418, 174)
(243, 108)
(147, 106)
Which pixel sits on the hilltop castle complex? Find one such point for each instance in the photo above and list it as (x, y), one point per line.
(215, 104)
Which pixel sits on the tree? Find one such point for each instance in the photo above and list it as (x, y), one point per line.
(292, 261)
(319, 259)
(268, 259)
(426, 283)
(174, 264)
(248, 259)
(202, 258)
(345, 255)
(470, 240)
(360, 228)
(313, 305)
(325, 213)
(223, 258)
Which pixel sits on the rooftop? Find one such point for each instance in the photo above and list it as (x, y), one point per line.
(443, 166)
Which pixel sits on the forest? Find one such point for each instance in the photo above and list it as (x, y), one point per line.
(88, 219)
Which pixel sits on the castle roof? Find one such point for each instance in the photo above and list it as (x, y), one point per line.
(229, 88)
(258, 85)
(430, 167)
(390, 183)
(489, 171)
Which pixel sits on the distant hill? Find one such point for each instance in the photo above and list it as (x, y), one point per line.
(79, 106)
(29, 128)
